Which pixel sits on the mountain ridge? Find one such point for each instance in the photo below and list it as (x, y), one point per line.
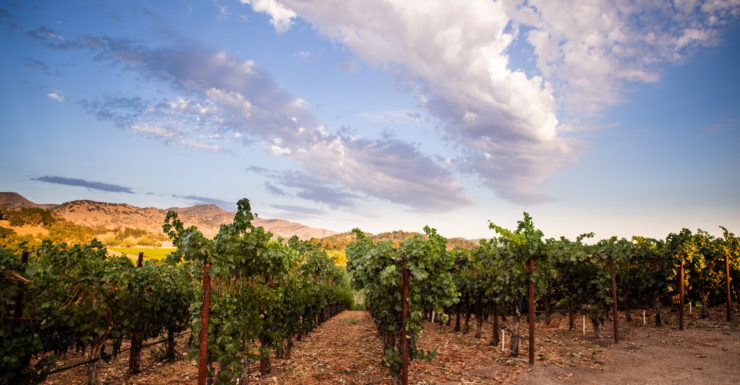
(207, 218)
(16, 201)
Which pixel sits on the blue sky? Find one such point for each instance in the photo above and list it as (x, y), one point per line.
(621, 118)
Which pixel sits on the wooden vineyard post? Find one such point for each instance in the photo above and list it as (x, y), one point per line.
(680, 307)
(727, 279)
(614, 301)
(404, 317)
(134, 358)
(20, 293)
(531, 311)
(204, 312)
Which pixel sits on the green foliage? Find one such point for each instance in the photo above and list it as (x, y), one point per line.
(66, 231)
(268, 291)
(6, 233)
(78, 296)
(505, 258)
(377, 269)
(29, 216)
(261, 290)
(21, 340)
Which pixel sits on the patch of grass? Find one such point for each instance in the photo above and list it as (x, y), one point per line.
(339, 256)
(149, 252)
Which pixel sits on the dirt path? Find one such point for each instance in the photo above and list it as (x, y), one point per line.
(343, 350)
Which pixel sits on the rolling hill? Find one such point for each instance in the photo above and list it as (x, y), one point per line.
(207, 218)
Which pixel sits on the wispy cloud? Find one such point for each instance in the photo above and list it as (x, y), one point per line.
(299, 209)
(84, 183)
(52, 39)
(258, 169)
(386, 168)
(274, 190)
(6, 17)
(311, 188)
(37, 64)
(726, 125)
(230, 98)
(170, 122)
(56, 95)
(302, 54)
(395, 117)
(222, 9)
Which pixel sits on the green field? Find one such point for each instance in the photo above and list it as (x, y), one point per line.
(149, 252)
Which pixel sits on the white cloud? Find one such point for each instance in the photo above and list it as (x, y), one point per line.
(456, 58)
(193, 107)
(589, 50)
(230, 98)
(388, 168)
(282, 17)
(276, 148)
(455, 55)
(232, 101)
(145, 128)
(55, 96)
(189, 142)
(398, 116)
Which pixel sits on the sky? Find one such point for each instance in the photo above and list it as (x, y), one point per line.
(614, 117)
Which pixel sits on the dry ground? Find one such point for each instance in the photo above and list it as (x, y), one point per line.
(346, 350)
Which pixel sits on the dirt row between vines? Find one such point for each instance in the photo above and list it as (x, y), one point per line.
(346, 350)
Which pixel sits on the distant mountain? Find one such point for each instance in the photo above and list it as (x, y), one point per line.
(16, 201)
(287, 229)
(341, 240)
(207, 218)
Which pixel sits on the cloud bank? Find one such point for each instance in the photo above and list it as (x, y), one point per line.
(505, 123)
(225, 98)
(456, 57)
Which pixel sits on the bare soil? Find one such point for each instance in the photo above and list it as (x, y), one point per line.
(707, 351)
(347, 350)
